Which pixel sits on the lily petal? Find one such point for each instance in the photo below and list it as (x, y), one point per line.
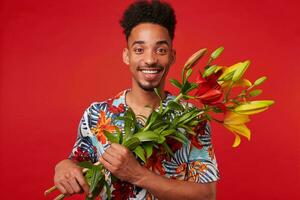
(234, 119)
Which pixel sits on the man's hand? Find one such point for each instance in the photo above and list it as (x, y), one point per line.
(69, 179)
(122, 163)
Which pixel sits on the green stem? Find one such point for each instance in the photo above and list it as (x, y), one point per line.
(219, 121)
(175, 100)
(228, 92)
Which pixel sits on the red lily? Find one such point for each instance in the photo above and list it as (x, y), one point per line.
(209, 91)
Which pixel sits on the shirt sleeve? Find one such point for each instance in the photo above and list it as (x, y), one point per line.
(86, 147)
(202, 164)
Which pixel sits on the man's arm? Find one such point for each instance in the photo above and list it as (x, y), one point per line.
(172, 189)
(68, 176)
(122, 163)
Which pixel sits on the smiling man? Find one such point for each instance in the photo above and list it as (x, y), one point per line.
(192, 172)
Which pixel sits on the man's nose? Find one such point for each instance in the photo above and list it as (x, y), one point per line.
(150, 58)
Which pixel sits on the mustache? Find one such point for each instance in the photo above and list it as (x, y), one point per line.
(154, 66)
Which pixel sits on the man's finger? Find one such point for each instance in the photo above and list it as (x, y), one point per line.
(74, 184)
(82, 183)
(113, 160)
(116, 146)
(68, 187)
(61, 188)
(112, 152)
(106, 164)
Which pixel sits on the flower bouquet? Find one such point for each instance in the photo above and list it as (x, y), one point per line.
(213, 88)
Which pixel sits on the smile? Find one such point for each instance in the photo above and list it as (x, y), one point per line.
(150, 71)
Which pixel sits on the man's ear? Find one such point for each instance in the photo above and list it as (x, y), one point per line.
(173, 56)
(126, 56)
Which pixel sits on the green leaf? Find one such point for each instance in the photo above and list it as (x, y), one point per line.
(175, 106)
(168, 149)
(255, 93)
(95, 193)
(132, 143)
(111, 137)
(147, 136)
(160, 128)
(139, 151)
(131, 115)
(185, 87)
(193, 123)
(119, 135)
(260, 81)
(157, 92)
(192, 86)
(175, 83)
(154, 115)
(175, 121)
(161, 139)
(208, 117)
(148, 146)
(187, 129)
(189, 115)
(168, 132)
(179, 137)
(108, 192)
(128, 123)
(96, 176)
(86, 164)
(158, 125)
(186, 97)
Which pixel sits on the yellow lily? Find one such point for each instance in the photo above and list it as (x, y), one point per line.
(236, 71)
(253, 107)
(243, 83)
(236, 123)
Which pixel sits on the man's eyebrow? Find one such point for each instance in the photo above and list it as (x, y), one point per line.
(157, 43)
(162, 42)
(138, 42)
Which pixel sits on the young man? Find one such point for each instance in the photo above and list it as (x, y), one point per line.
(192, 172)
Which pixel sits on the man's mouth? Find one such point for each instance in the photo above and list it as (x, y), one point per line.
(151, 71)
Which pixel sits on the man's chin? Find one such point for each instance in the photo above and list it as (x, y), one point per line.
(148, 88)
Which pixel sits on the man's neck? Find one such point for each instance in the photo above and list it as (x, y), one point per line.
(142, 102)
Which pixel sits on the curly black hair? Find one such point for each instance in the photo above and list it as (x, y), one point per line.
(154, 11)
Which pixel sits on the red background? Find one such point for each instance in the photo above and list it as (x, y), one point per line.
(57, 57)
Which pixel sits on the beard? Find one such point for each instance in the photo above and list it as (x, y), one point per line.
(148, 88)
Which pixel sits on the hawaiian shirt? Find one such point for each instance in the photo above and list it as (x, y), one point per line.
(193, 161)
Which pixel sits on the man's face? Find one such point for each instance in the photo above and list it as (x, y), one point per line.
(149, 55)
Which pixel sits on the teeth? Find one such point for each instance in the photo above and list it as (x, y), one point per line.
(150, 71)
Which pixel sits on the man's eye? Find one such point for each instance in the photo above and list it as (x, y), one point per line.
(162, 51)
(138, 50)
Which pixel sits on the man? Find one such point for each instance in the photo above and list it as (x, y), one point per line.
(192, 172)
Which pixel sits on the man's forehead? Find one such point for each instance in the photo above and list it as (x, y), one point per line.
(148, 33)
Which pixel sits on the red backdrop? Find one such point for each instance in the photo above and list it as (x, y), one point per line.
(57, 57)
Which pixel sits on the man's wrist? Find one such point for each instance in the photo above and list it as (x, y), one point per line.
(142, 176)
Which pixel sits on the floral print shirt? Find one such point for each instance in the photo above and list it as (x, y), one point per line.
(194, 161)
